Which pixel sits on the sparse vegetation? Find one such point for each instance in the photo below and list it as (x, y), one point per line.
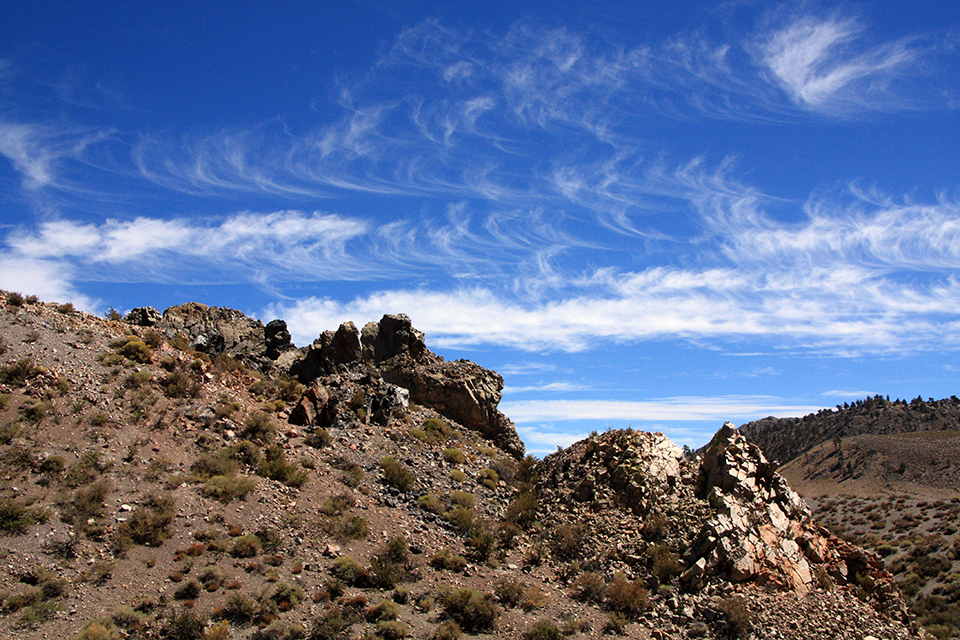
(396, 474)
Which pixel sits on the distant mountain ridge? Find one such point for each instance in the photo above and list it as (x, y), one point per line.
(783, 439)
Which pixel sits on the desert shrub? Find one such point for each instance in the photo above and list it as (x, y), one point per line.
(333, 623)
(522, 511)
(352, 476)
(461, 518)
(589, 587)
(384, 610)
(489, 478)
(482, 541)
(348, 569)
(436, 430)
(207, 466)
(280, 630)
(15, 517)
(509, 591)
(429, 502)
(137, 379)
(449, 630)
(17, 373)
(392, 629)
(15, 299)
(185, 625)
(655, 527)
(180, 384)
(150, 524)
(276, 467)
(188, 590)
(454, 456)
(133, 348)
(616, 624)
(65, 308)
(567, 541)
(628, 597)
(665, 564)
(85, 470)
(287, 596)
(245, 546)
(258, 426)
(337, 505)
(446, 559)
(52, 465)
(243, 452)
(507, 533)
(34, 412)
(463, 499)
(737, 616)
(319, 439)
(543, 630)
(474, 611)
(97, 630)
(227, 488)
(396, 474)
(353, 528)
(238, 609)
(85, 503)
(457, 475)
(534, 598)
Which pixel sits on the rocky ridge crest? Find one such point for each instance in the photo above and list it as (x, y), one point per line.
(388, 360)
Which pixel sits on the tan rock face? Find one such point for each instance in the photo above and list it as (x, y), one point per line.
(753, 535)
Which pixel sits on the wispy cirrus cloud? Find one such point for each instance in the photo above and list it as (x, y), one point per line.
(826, 64)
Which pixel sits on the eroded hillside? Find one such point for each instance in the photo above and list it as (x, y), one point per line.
(192, 474)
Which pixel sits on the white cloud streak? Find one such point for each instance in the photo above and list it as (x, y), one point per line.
(680, 409)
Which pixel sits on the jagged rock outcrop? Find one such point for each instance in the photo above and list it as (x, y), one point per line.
(761, 526)
(143, 317)
(277, 339)
(727, 517)
(392, 351)
(216, 330)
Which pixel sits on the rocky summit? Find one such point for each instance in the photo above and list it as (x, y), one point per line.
(193, 474)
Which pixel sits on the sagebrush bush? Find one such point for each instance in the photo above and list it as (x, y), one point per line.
(276, 467)
(454, 456)
(589, 587)
(227, 488)
(396, 474)
(349, 570)
(738, 617)
(15, 517)
(543, 630)
(259, 426)
(17, 373)
(509, 591)
(245, 546)
(474, 611)
(449, 630)
(627, 597)
(448, 560)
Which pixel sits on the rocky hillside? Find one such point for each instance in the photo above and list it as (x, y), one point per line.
(192, 474)
(884, 475)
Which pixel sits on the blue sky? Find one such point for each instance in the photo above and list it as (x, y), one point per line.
(661, 217)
